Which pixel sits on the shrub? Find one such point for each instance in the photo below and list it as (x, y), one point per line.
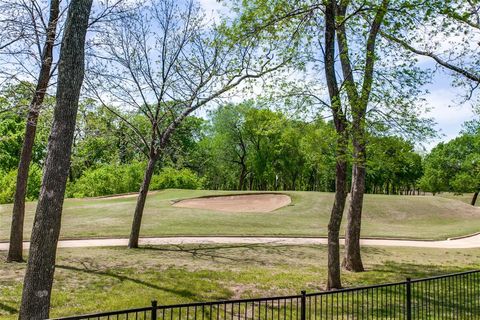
(8, 181)
(107, 179)
(176, 179)
(7, 186)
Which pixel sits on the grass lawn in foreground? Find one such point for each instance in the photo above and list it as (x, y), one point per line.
(422, 217)
(102, 279)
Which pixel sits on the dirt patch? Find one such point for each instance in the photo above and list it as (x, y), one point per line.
(238, 203)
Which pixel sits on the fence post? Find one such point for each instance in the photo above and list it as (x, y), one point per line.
(303, 304)
(409, 299)
(154, 309)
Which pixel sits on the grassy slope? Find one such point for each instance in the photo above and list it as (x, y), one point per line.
(424, 217)
(465, 197)
(101, 279)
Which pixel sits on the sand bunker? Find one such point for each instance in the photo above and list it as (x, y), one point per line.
(238, 203)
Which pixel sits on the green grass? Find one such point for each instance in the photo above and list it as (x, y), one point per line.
(101, 279)
(464, 197)
(422, 217)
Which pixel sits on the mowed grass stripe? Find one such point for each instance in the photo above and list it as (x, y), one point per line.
(415, 217)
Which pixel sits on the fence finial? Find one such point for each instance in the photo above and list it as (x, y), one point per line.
(409, 298)
(154, 309)
(303, 305)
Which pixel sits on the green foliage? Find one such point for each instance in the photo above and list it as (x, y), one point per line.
(454, 166)
(249, 147)
(12, 124)
(170, 178)
(12, 129)
(14, 102)
(101, 138)
(8, 181)
(393, 166)
(107, 179)
(183, 146)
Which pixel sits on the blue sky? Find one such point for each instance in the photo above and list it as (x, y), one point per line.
(443, 99)
(447, 109)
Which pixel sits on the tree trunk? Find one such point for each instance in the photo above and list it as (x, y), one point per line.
(46, 228)
(353, 260)
(474, 199)
(241, 180)
(142, 198)
(18, 214)
(334, 279)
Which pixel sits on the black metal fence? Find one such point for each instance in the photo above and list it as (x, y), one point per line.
(453, 296)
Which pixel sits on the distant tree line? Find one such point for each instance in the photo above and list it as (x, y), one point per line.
(241, 146)
(455, 165)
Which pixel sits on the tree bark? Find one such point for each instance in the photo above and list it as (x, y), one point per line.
(358, 102)
(334, 279)
(241, 180)
(18, 214)
(46, 228)
(474, 199)
(353, 259)
(142, 198)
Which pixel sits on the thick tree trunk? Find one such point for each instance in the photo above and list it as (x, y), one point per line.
(142, 198)
(334, 279)
(18, 214)
(353, 260)
(46, 227)
(474, 199)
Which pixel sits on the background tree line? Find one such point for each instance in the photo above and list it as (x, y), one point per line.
(243, 146)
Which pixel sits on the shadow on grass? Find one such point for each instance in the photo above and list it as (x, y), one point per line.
(416, 271)
(179, 292)
(8, 308)
(212, 252)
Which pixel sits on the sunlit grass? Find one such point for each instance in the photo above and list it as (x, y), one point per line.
(101, 279)
(424, 217)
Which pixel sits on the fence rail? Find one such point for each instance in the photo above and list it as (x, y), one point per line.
(452, 296)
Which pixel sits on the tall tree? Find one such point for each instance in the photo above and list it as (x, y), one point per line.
(46, 227)
(340, 120)
(166, 62)
(358, 98)
(16, 231)
(383, 94)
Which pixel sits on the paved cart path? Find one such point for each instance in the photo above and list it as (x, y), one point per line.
(463, 243)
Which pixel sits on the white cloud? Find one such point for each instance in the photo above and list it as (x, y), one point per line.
(447, 110)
